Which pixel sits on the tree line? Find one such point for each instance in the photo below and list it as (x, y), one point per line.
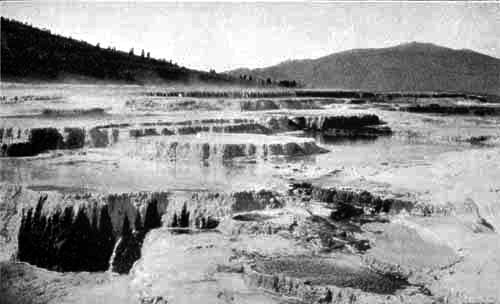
(268, 81)
(29, 52)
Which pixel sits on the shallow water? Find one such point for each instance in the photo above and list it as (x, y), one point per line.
(417, 141)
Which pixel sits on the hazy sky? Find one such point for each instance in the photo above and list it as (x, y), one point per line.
(225, 36)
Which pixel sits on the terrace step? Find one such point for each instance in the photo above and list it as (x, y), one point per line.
(342, 279)
(221, 147)
(480, 110)
(263, 104)
(15, 142)
(79, 231)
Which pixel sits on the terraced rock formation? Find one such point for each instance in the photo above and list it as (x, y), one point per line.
(223, 147)
(257, 240)
(17, 142)
(79, 232)
(248, 206)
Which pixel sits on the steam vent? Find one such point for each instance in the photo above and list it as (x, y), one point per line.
(130, 179)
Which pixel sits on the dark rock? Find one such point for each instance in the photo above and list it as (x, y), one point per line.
(127, 249)
(242, 128)
(136, 133)
(18, 149)
(153, 300)
(486, 224)
(73, 112)
(192, 130)
(208, 223)
(369, 132)
(345, 122)
(99, 137)
(84, 241)
(166, 131)
(346, 211)
(74, 138)
(249, 200)
(115, 133)
(150, 132)
(138, 222)
(152, 219)
(184, 218)
(357, 101)
(258, 105)
(65, 241)
(233, 150)
(331, 128)
(144, 132)
(43, 139)
(249, 216)
(8, 133)
(358, 199)
(452, 109)
(298, 123)
(304, 189)
(478, 140)
(175, 221)
(329, 93)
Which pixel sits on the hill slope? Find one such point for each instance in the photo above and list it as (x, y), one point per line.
(407, 67)
(28, 53)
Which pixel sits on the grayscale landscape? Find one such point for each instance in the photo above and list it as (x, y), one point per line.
(366, 175)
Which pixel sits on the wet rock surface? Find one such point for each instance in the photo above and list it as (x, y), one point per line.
(223, 147)
(454, 109)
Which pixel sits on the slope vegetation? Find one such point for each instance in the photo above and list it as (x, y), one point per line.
(29, 53)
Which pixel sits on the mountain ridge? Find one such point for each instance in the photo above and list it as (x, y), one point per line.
(412, 66)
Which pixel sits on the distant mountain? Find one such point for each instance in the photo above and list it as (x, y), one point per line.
(31, 54)
(407, 67)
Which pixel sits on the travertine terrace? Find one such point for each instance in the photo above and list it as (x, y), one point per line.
(138, 194)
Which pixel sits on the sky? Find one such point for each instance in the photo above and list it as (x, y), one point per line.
(224, 36)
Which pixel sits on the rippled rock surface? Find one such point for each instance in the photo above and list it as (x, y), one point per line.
(224, 147)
